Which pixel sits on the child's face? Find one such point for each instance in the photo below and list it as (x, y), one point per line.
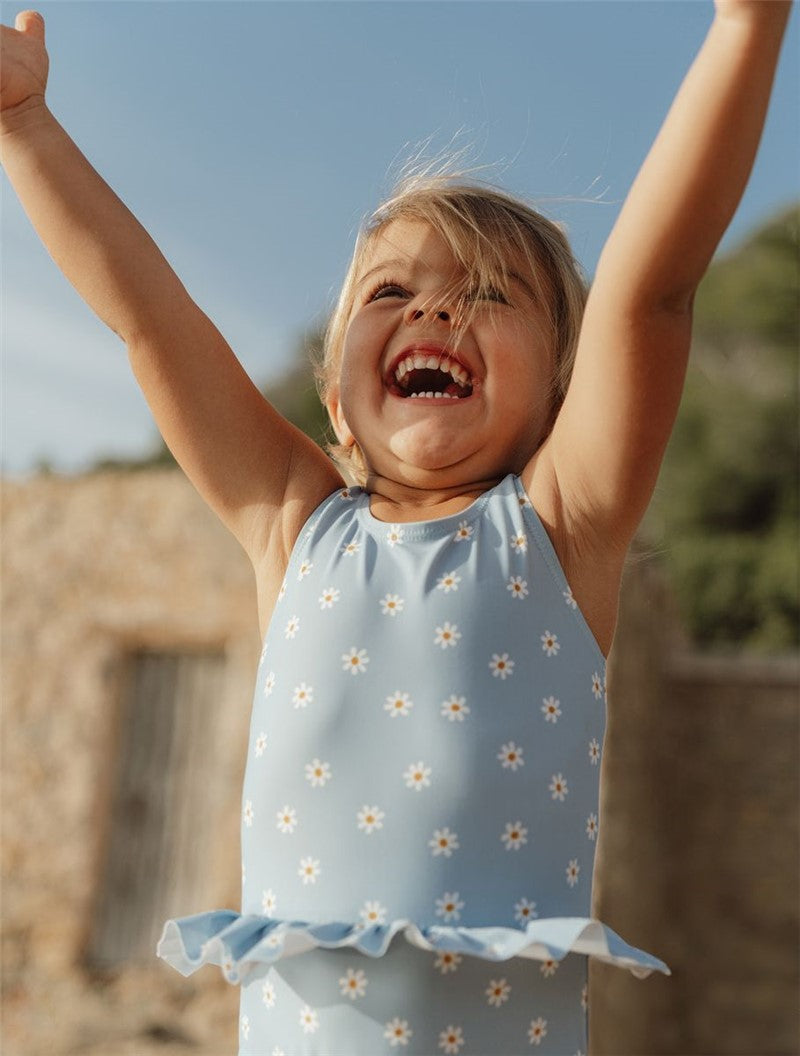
(495, 384)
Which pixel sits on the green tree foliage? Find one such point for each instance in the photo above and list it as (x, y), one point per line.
(725, 515)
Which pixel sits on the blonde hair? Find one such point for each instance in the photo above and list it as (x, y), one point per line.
(488, 232)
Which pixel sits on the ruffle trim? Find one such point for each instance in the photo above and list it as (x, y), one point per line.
(235, 943)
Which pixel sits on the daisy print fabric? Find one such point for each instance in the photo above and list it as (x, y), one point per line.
(427, 736)
(409, 1003)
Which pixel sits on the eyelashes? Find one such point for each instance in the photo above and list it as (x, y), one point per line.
(386, 288)
(390, 288)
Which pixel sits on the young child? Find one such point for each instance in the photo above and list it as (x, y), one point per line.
(420, 807)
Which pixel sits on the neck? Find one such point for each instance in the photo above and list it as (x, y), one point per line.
(397, 502)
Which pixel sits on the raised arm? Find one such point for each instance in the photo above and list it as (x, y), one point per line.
(606, 446)
(260, 474)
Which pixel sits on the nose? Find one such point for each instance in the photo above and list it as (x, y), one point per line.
(415, 314)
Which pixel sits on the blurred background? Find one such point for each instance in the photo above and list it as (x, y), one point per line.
(250, 139)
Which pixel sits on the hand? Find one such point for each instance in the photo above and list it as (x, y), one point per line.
(23, 62)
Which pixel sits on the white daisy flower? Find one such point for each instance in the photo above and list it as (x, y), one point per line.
(591, 826)
(269, 683)
(264, 652)
(309, 1020)
(292, 627)
(355, 661)
(349, 549)
(572, 871)
(370, 819)
(353, 984)
(551, 709)
(548, 967)
(417, 776)
(594, 751)
(318, 773)
(287, 819)
(329, 597)
(451, 1039)
(304, 569)
(597, 686)
(268, 995)
(309, 870)
(501, 665)
(269, 903)
(394, 535)
(464, 531)
(446, 961)
(391, 604)
(248, 814)
(558, 787)
(524, 910)
(261, 744)
(455, 708)
(443, 842)
(345, 494)
(373, 913)
(537, 1030)
(449, 906)
(568, 598)
(398, 704)
(397, 1032)
(282, 591)
(550, 643)
(497, 992)
(303, 695)
(518, 587)
(448, 582)
(278, 1051)
(510, 755)
(245, 1027)
(519, 543)
(524, 502)
(515, 835)
(447, 634)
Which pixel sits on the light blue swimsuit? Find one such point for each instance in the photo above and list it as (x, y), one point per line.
(420, 807)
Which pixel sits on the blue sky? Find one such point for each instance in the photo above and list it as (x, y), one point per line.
(251, 137)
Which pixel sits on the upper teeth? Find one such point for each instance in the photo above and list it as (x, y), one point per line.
(421, 361)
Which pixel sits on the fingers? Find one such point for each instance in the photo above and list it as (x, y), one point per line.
(32, 23)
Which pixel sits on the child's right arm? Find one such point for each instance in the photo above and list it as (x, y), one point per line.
(262, 476)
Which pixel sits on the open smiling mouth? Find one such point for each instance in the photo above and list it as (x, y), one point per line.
(422, 375)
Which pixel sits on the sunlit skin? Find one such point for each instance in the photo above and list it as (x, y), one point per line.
(439, 453)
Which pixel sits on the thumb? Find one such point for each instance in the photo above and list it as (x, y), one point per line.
(31, 23)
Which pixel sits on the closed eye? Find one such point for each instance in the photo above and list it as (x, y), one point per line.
(486, 293)
(387, 289)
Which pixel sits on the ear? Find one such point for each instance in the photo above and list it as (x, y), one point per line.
(338, 421)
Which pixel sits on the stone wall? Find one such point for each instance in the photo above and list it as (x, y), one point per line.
(698, 855)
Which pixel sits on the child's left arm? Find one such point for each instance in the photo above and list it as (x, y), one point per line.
(606, 446)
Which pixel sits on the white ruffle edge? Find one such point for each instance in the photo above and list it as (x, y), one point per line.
(235, 942)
